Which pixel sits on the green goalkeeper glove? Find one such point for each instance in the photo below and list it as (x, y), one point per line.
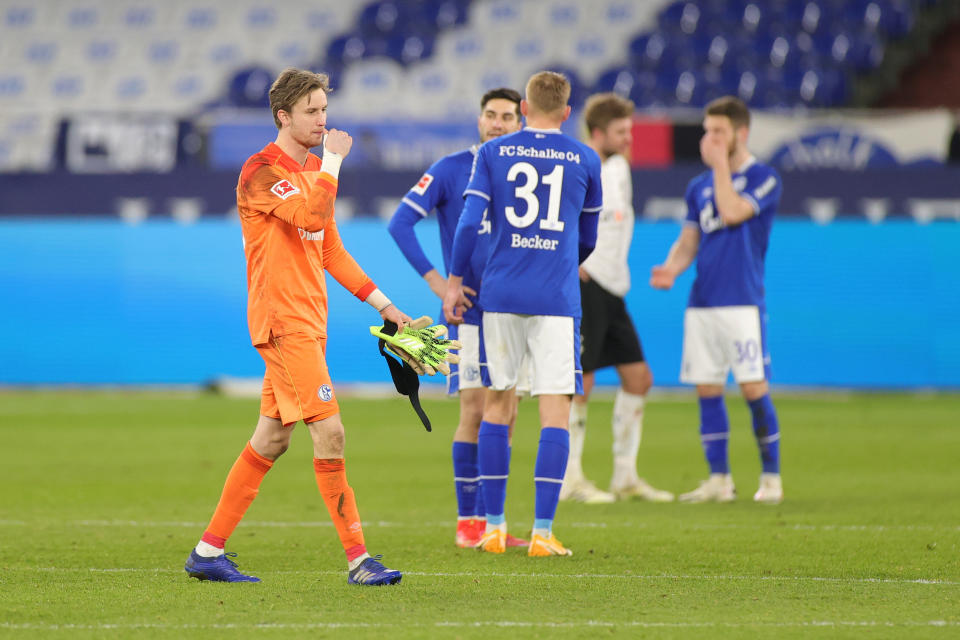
(420, 345)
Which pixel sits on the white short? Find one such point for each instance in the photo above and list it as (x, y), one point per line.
(550, 345)
(467, 374)
(717, 340)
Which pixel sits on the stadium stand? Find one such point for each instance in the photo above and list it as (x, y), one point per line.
(429, 59)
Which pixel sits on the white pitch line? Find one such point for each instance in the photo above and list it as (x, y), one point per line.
(879, 528)
(497, 574)
(27, 626)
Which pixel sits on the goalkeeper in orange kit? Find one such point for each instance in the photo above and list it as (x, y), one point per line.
(285, 198)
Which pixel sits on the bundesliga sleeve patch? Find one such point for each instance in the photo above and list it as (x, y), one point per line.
(284, 189)
(421, 187)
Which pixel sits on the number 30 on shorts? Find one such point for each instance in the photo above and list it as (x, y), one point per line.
(747, 351)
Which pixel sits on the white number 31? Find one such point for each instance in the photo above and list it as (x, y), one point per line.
(525, 192)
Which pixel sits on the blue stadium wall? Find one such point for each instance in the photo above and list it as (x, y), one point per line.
(101, 302)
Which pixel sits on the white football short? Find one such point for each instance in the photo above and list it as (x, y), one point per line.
(717, 340)
(549, 344)
(467, 374)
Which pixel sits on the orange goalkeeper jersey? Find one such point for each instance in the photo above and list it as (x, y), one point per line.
(290, 238)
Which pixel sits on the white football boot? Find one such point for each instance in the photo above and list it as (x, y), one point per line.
(771, 489)
(582, 490)
(717, 488)
(640, 488)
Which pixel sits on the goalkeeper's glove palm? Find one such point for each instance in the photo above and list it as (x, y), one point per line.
(421, 346)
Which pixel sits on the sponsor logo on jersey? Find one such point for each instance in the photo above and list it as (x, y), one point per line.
(421, 187)
(739, 183)
(313, 236)
(325, 393)
(284, 189)
(536, 242)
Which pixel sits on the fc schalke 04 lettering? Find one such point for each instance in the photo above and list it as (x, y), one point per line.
(521, 151)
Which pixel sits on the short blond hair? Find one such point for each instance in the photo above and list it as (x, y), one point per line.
(603, 108)
(291, 85)
(548, 92)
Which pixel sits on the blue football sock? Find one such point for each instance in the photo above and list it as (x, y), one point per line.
(548, 474)
(479, 510)
(766, 428)
(714, 433)
(494, 459)
(466, 478)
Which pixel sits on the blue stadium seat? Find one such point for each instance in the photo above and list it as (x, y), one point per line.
(139, 16)
(893, 18)
(21, 16)
(250, 88)
(526, 48)
(126, 89)
(619, 79)
(380, 18)
(82, 16)
(495, 15)
(682, 16)
(344, 49)
(443, 14)
(73, 84)
(655, 50)
(223, 54)
(717, 51)
(866, 52)
(748, 87)
(321, 18)
(260, 17)
(191, 88)
(41, 52)
(194, 19)
(163, 52)
(14, 86)
(408, 49)
(279, 51)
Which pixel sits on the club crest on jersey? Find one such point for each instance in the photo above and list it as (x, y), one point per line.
(325, 393)
(284, 189)
(421, 187)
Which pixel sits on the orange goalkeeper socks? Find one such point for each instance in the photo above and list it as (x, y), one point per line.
(241, 487)
(340, 501)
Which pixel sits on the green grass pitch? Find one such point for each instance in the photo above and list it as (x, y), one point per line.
(102, 495)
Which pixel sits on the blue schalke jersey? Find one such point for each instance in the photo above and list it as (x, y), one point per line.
(441, 188)
(730, 260)
(537, 183)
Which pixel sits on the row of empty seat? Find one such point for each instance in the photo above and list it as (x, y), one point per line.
(434, 58)
(191, 17)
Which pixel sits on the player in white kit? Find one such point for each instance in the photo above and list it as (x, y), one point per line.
(607, 335)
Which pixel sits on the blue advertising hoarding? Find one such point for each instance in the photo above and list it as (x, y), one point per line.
(851, 304)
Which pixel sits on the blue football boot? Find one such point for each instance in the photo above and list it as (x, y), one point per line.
(218, 569)
(371, 572)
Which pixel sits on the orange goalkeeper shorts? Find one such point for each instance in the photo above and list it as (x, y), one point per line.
(297, 383)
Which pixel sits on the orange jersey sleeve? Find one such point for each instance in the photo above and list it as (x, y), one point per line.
(342, 266)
